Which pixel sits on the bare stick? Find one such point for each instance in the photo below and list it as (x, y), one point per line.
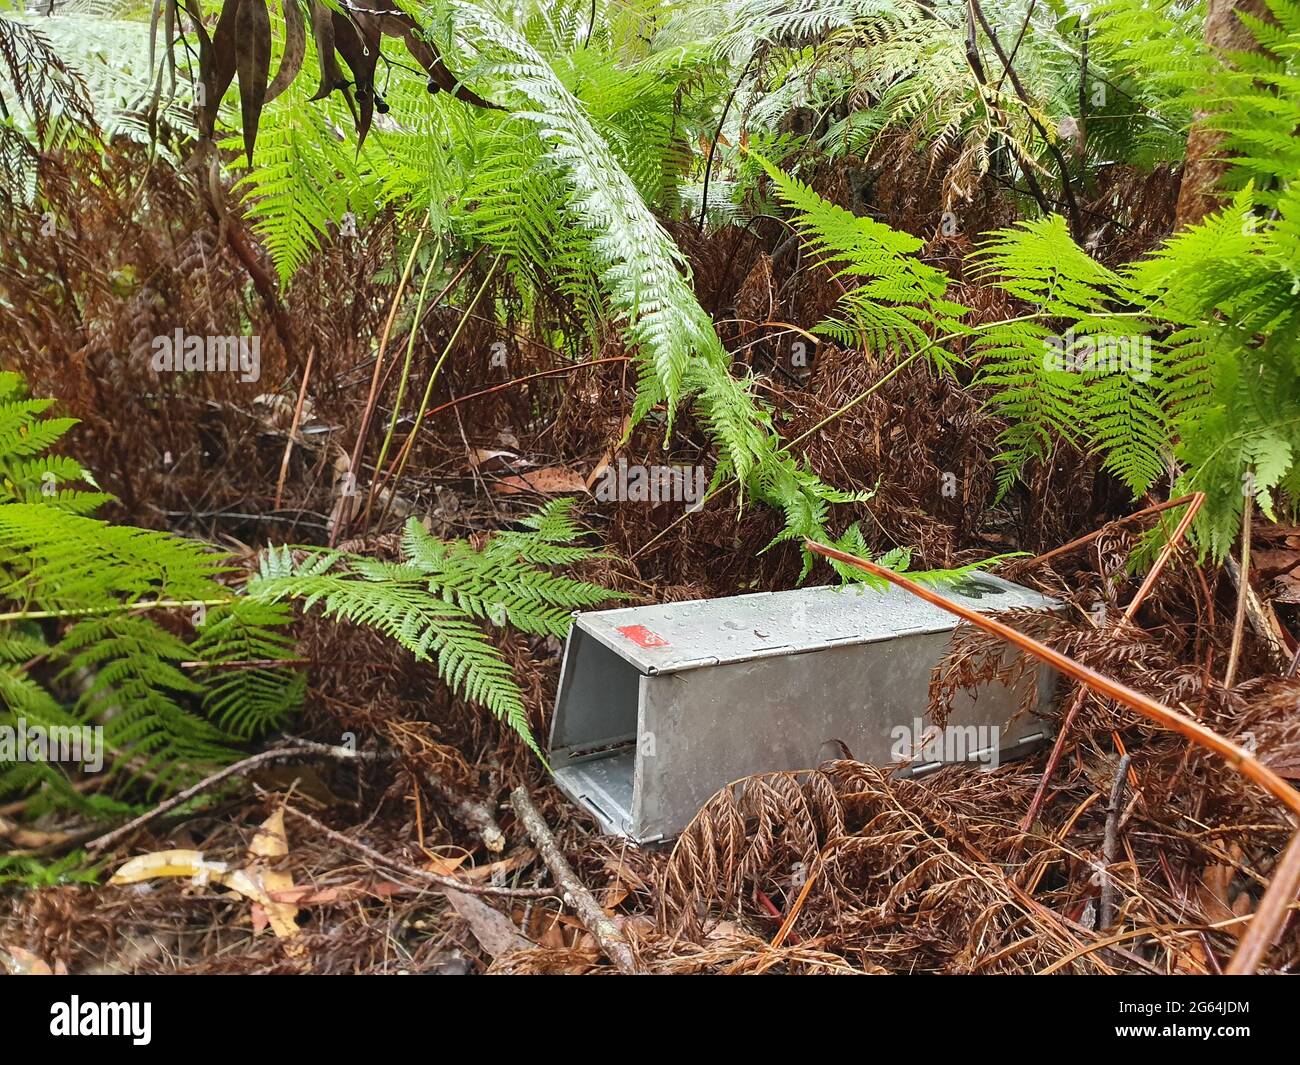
(1089, 537)
(475, 815)
(520, 380)
(1272, 913)
(713, 146)
(1243, 589)
(379, 858)
(1067, 190)
(1106, 911)
(1260, 614)
(1236, 756)
(589, 911)
(293, 429)
(305, 747)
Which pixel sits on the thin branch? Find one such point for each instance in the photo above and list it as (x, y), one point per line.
(1088, 538)
(553, 372)
(1015, 47)
(713, 147)
(379, 858)
(1106, 909)
(1196, 500)
(1083, 104)
(977, 68)
(1067, 189)
(590, 912)
(1243, 595)
(373, 397)
(398, 464)
(302, 749)
(293, 428)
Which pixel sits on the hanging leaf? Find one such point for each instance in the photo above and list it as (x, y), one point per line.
(357, 40)
(322, 31)
(240, 45)
(219, 71)
(253, 62)
(295, 48)
(441, 79)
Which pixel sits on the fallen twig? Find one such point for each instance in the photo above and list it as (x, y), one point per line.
(590, 912)
(379, 858)
(1260, 614)
(1135, 933)
(554, 371)
(1088, 538)
(1106, 908)
(475, 815)
(1243, 594)
(1194, 502)
(302, 748)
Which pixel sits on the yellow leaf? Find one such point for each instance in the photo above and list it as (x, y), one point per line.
(169, 863)
(271, 840)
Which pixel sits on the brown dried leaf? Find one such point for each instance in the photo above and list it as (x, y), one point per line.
(295, 48)
(495, 932)
(19, 962)
(253, 62)
(553, 480)
(218, 70)
(322, 30)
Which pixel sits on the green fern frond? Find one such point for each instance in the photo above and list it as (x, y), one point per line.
(428, 626)
(244, 692)
(137, 691)
(898, 304)
(55, 560)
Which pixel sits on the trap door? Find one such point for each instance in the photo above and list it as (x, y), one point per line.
(594, 731)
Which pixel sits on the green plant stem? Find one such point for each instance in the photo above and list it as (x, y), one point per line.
(433, 377)
(373, 395)
(116, 608)
(406, 376)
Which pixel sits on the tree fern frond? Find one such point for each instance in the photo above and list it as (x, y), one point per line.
(58, 560)
(244, 692)
(430, 627)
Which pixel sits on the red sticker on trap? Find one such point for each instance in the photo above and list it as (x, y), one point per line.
(639, 634)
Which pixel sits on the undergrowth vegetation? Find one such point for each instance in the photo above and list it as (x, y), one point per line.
(81, 644)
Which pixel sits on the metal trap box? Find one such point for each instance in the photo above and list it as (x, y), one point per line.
(661, 706)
